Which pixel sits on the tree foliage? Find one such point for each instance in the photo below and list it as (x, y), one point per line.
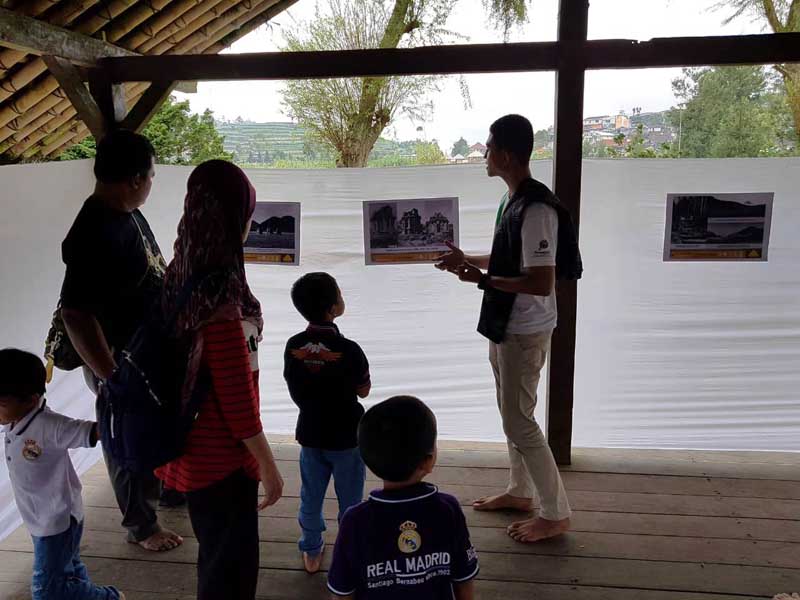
(350, 114)
(183, 138)
(178, 136)
(730, 111)
(460, 147)
(780, 16)
(429, 153)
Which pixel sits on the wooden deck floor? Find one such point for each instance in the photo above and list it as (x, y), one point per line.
(654, 525)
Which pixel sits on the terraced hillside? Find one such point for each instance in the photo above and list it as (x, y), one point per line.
(266, 143)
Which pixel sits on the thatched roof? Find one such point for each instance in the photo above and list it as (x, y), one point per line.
(37, 120)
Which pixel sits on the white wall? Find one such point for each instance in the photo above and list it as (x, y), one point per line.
(669, 355)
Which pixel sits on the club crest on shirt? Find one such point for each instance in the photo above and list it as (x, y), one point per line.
(409, 541)
(31, 450)
(315, 356)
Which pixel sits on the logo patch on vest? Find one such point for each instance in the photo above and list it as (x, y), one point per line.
(409, 541)
(31, 450)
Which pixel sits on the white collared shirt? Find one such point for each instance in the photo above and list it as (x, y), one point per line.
(46, 487)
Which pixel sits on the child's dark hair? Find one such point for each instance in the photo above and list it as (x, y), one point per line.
(122, 155)
(395, 436)
(22, 374)
(514, 134)
(314, 294)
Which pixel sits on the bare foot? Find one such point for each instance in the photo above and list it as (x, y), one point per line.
(121, 596)
(503, 502)
(312, 564)
(162, 541)
(537, 529)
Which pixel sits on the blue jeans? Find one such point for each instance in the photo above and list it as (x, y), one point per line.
(316, 468)
(59, 574)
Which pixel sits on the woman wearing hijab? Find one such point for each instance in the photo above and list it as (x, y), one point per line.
(227, 452)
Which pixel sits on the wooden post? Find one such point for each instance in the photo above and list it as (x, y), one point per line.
(567, 156)
(110, 98)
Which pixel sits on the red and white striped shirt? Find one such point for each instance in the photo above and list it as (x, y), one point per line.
(229, 415)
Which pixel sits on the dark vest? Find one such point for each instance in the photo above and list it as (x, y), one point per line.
(505, 258)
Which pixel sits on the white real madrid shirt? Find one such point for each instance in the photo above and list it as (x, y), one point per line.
(46, 487)
(536, 314)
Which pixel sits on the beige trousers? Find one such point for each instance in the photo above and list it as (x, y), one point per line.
(517, 364)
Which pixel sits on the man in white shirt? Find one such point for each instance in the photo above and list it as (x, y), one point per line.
(46, 488)
(518, 316)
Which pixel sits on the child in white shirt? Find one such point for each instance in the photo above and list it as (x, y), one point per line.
(46, 488)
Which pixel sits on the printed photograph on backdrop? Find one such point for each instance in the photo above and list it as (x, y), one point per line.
(409, 231)
(274, 234)
(718, 226)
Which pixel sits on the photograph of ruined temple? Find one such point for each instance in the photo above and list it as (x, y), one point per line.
(409, 231)
(274, 232)
(412, 224)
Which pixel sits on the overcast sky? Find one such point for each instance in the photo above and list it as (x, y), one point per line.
(531, 94)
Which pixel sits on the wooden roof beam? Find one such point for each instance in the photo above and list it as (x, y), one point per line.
(78, 94)
(147, 106)
(38, 37)
(477, 58)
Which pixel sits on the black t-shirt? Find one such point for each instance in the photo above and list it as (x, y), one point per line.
(114, 269)
(324, 371)
(402, 544)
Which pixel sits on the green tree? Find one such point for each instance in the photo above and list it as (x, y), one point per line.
(729, 111)
(780, 16)
(460, 147)
(178, 136)
(429, 153)
(183, 138)
(348, 115)
(86, 148)
(541, 139)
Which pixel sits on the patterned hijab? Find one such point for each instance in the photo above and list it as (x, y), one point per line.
(219, 203)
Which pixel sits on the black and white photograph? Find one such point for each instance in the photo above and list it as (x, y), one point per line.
(718, 226)
(409, 230)
(274, 234)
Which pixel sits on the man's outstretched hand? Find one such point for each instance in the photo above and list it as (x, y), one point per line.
(452, 260)
(469, 272)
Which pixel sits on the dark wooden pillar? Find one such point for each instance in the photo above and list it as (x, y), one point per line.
(109, 97)
(573, 22)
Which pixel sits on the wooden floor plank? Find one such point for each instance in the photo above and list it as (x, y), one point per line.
(99, 543)
(293, 585)
(108, 519)
(634, 574)
(686, 463)
(711, 506)
(576, 481)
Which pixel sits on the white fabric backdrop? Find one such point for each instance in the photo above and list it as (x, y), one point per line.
(670, 355)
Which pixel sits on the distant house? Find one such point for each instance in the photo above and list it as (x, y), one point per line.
(594, 123)
(622, 121)
(476, 157)
(477, 148)
(458, 159)
(607, 123)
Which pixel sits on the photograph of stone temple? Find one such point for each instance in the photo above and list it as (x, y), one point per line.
(383, 226)
(411, 223)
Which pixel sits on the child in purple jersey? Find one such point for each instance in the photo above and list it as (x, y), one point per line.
(407, 540)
